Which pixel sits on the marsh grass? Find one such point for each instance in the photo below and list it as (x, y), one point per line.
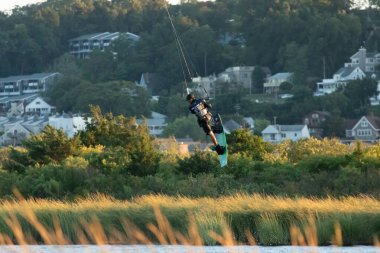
(233, 220)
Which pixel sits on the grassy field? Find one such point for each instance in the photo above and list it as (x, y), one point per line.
(239, 219)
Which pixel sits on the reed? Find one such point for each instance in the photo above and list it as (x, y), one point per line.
(238, 219)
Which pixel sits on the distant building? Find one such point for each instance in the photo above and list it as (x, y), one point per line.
(156, 123)
(27, 84)
(68, 123)
(232, 77)
(272, 84)
(15, 105)
(363, 64)
(16, 109)
(207, 83)
(314, 121)
(340, 79)
(39, 106)
(249, 123)
(279, 133)
(17, 129)
(231, 125)
(153, 82)
(82, 46)
(241, 75)
(366, 129)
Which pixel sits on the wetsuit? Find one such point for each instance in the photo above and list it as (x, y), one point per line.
(199, 107)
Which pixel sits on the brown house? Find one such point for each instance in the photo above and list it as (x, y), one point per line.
(314, 121)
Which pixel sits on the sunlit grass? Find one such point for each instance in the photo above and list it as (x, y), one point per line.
(233, 220)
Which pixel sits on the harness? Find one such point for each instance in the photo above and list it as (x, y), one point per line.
(200, 110)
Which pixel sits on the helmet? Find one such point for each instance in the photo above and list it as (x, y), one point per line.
(190, 97)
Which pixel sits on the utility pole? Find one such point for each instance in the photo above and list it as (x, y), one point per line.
(324, 67)
(205, 60)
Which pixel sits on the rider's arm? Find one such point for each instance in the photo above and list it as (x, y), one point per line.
(207, 105)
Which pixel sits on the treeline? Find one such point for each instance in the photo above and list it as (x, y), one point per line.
(117, 157)
(304, 36)
(294, 36)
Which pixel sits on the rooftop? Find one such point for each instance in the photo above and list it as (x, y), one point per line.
(26, 77)
(105, 36)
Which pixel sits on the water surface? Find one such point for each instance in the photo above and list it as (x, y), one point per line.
(182, 249)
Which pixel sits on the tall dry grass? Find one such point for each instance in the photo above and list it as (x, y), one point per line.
(234, 220)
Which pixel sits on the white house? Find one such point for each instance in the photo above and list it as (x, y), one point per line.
(16, 109)
(156, 123)
(362, 64)
(82, 46)
(241, 75)
(366, 129)
(279, 133)
(340, 79)
(14, 135)
(39, 106)
(272, 85)
(69, 124)
(19, 128)
(27, 84)
(207, 83)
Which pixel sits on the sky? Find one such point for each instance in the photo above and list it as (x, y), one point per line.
(9, 4)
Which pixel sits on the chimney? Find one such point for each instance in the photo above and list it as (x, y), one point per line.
(362, 58)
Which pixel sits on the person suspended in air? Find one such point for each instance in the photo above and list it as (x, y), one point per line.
(200, 108)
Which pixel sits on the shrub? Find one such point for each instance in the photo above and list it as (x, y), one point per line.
(199, 162)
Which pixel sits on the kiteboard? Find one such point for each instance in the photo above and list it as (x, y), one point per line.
(218, 129)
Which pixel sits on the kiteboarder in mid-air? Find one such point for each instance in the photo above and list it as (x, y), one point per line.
(200, 108)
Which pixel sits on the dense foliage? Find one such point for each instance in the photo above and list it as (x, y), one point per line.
(306, 37)
(117, 157)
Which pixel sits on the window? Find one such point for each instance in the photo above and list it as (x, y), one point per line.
(364, 123)
(295, 134)
(38, 102)
(272, 137)
(283, 135)
(365, 132)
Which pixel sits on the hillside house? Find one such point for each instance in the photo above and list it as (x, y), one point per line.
(231, 125)
(17, 129)
(231, 78)
(206, 83)
(27, 84)
(279, 133)
(152, 82)
(272, 84)
(70, 124)
(363, 64)
(82, 46)
(17, 101)
(39, 106)
(314, 121)
(366, 129)
(156, 123)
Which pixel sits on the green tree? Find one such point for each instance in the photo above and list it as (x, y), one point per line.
(359, 92)
(286, 87)
(99, 67)
(51, 146)
(184, 127)
(333, 126)
(119, 131)
(244, 142)
(258, 78)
